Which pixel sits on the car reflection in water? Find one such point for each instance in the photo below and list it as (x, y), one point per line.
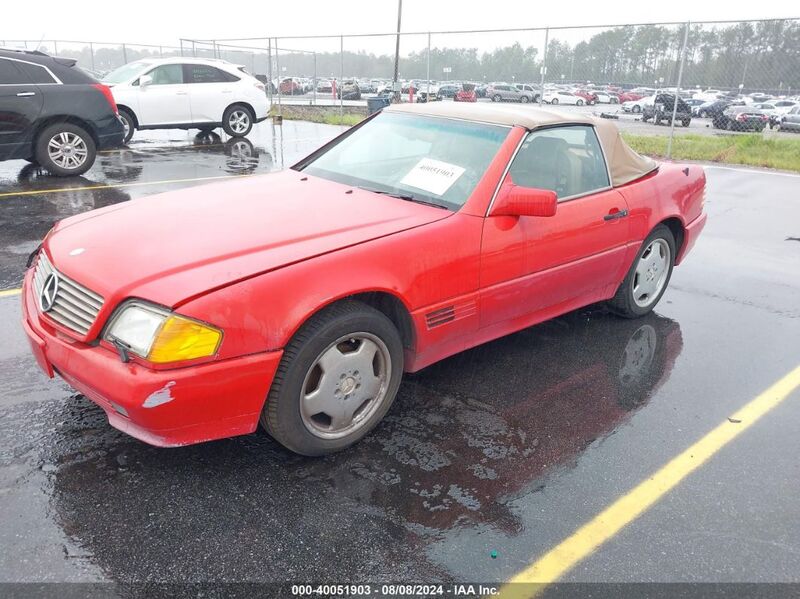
(25, 220)
(463, 437)
(489, 422)
(106, 184)
(241, 156)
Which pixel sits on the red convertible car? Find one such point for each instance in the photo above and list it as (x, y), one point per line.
(298, 299)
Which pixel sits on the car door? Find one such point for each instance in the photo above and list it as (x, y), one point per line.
(20, 106)
(792, 118)
(165, 100)
(211, 91)
(531, 265)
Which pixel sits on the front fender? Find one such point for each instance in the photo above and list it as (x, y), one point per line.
(419, 267)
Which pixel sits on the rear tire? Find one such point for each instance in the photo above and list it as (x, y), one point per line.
(335, 338)
(554, 101)
(65, 150)
(237, 121)
(636, 108)
(648, 276)
(579, 103)
(524, 99)
(130, 124)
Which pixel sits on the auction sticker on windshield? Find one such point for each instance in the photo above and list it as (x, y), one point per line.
(433, 176)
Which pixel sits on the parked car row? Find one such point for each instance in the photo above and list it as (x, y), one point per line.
(57, 115)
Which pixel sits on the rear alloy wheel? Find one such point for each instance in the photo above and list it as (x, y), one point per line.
(337, 379)
(237, 120)
(129, 123)
(65, 150)
(648, 276)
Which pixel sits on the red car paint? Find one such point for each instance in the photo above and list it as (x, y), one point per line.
(246, 257)
(587, 96)
(465, 96)
(629, 97)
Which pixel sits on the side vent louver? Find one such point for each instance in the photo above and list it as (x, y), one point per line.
(441, 316)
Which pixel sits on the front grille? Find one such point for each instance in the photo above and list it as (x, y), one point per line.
(75, 306)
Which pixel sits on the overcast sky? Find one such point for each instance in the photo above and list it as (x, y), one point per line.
(164, 21)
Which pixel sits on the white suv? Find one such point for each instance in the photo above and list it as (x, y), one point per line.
(187, 93)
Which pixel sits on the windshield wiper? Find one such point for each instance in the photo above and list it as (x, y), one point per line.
(406, 197)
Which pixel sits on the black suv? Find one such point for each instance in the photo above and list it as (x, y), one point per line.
(661, 110)
(54, 114)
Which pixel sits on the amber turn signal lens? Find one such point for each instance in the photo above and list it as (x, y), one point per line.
(183, 339)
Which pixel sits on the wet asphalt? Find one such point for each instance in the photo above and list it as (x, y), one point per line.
(506, 448)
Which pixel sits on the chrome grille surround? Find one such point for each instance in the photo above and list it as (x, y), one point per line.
(75, 306)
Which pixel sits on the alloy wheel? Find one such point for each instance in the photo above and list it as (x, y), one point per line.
(651, 273)
(239, 121)
(345, 385)
(67, 150)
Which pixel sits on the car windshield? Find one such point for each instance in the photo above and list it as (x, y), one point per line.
(125, 72)
(419, 158)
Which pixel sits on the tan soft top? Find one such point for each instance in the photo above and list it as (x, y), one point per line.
(625, 164)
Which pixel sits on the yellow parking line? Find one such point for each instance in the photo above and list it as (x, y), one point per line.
(9, 292)
(584, 541)
(33, 192)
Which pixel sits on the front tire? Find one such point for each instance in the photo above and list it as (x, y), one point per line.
(337, 379)
(579, 103)
(554, 101)
(497, 98)
(237, 120)
(524, 99)
(130, 125)
(636, 108)
(648, 276)
(65, 150)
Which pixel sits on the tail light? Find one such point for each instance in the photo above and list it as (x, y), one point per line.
(106, 91)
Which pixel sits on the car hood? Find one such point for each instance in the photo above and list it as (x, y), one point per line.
(171, 247)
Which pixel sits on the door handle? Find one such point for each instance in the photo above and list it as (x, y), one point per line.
(25, 94)
(181, 93)
(615, 215)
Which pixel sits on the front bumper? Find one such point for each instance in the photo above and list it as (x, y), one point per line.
(167, 408)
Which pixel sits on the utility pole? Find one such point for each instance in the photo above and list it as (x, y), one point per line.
(395, 85)
(677, 91)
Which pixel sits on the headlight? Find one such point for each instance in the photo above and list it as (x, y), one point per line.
(159, 336)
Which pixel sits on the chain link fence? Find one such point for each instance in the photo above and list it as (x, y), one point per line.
(97, 57)
(750, 63)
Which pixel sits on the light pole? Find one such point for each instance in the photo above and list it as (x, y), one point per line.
(395, 86)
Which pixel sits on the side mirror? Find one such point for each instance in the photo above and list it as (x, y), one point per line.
(515, 200)
(145, 80)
